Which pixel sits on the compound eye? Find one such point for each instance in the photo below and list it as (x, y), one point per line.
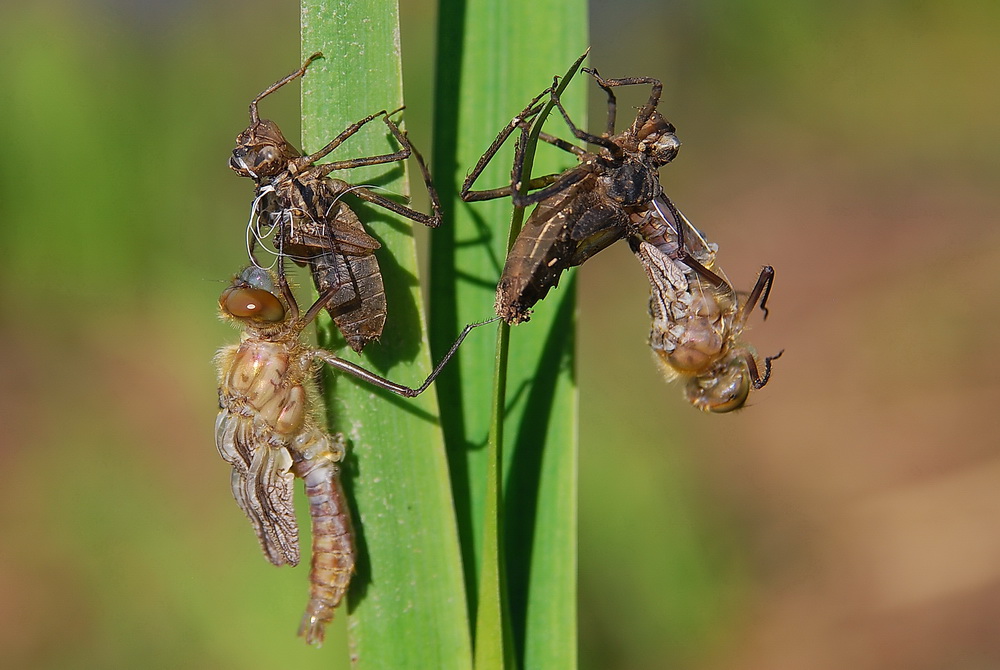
(662, 148)
(658, 139)
(256, 162)
(252, 303)
(721, 391)
(666, 146)
(238, 162)
(267, 154)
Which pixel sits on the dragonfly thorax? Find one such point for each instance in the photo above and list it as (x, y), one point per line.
(632, 183)
(265, 376)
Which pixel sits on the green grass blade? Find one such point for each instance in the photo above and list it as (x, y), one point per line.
(542, 480)
(488, 68)
(408, 604)
(493, 640)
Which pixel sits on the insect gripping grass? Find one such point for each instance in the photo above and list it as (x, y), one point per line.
(584, 209)
(267, 430)
(615, 193)
(302, 206)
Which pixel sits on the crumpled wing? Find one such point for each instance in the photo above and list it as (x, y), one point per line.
(667, 283)
(262, 484)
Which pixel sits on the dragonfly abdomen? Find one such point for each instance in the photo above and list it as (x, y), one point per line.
(316, 455)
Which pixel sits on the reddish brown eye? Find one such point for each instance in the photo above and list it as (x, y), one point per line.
(252, 303)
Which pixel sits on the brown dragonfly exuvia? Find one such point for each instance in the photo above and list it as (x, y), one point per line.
(303, 208)
(585, 209)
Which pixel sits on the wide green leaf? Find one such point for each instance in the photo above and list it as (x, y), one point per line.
(493, 58)
(407, 602)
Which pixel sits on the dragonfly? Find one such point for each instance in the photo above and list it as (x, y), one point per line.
(267, 429)
(584, 209)
(698, 318)
(302, 206)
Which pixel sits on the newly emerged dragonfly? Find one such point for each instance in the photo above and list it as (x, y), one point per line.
(584, 209)
(698, 317)
(298, 202)
(266, 429)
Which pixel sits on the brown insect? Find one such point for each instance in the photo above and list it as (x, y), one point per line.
(698, 317)
(267, 430)
(584, 209)
(302, 206)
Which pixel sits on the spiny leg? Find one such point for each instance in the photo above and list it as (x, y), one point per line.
(654, 94)
(549, 185)
(683, 255)
(760, 292)
(552, 184)
(254, 118)
(374, 198)
(517, 170)
(430, 220)
(428, 184)
(401, 155)
(407, 149)
(519, 121)
(756, 379)
(563, 144)
(382, 382)
(582, 134)
(339, 139)
(286, 290)
(612, 100)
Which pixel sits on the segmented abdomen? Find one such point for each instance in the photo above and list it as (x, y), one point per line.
(358, 305)
(562, 232)
(316, 455)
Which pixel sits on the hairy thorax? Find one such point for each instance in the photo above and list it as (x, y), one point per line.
(265, 380)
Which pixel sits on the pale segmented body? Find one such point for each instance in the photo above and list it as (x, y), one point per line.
(316, 455)
(265, 429)
(697, 315)
(266, 432)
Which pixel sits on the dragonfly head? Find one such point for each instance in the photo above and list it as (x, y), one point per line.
(251, 298)
(261, 151)
(658, 139)
(722, 389)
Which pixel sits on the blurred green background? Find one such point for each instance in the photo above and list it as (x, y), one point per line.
(847, 519)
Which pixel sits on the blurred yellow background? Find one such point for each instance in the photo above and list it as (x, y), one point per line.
(847, 519)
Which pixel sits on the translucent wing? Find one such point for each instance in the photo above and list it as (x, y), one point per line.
(262, 485)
